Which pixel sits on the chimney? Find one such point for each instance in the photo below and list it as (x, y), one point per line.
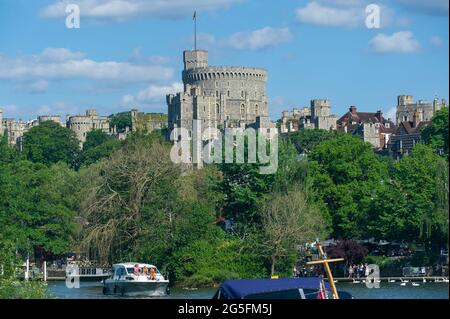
(416, 119)
(353, 109)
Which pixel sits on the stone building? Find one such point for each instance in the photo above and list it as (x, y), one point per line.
(371, 127)
(406, 108)
(318, 116)
(407, 135)
(82, 124)
(219, 97)
(15, 130)
(147, 121)
(53, 118)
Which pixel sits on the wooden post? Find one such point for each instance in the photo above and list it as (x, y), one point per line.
(27, 270)
(325, 262)
(329, 274)
(45, 271)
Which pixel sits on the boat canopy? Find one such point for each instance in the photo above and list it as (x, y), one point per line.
(240, 289)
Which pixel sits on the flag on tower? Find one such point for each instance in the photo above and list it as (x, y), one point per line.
(195, 16)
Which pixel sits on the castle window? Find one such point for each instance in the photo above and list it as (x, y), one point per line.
(217, 108)
(256, 109)
(228, 93)
(216, 84)
(217, 93)
(242, 94)
(242, 109)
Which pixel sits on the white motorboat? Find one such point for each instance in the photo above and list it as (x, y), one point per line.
(135, 279)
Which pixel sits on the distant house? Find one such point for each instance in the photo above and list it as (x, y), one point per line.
(406, 137)
(371, 127)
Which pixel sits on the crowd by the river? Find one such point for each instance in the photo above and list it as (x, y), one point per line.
(353, 271)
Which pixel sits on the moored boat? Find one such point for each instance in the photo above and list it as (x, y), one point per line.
(135, 279)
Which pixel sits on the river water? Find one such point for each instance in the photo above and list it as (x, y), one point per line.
(359, 291)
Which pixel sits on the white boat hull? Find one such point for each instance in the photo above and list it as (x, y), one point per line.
(135, 288)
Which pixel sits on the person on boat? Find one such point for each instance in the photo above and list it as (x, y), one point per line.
(136, 269)
(152, 273)
(144, 271)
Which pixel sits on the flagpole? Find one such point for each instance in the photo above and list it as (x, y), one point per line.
(195, 31)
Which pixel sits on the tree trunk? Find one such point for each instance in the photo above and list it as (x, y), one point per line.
(272, 268)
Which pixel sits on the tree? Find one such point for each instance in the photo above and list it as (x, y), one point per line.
(11, 287)
(289, 220)
(348, 176)
(306, 140)
(95, 138)
(128, 181)
(98, 145)
(37, 206)
(417, 176)
(7, 153)
(121, 121)
(436, 134)
(351, 251)
(49, 143)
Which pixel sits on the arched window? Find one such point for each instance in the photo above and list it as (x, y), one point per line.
(242, 109)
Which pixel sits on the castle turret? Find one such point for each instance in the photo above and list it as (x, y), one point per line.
(405, 100)
(195, 59)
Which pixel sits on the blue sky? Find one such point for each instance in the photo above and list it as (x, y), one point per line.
(128, 53)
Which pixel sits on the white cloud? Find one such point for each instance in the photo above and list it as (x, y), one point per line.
(345, 13)
(39, 86)
(125, 9)
(318, 14)
(57, 64)
(399, 42)
(436, 40)
(434, 7)
(151, 95)
(259, 39)
(59, 55)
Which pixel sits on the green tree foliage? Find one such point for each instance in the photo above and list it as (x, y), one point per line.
(348, 175)
(37, 205)
(306, 140)
(49, 143)
(11, 287)
(121, 121)
(436, 134)
(289, 220)
(133, 177)
(98, 145)
(417, 177)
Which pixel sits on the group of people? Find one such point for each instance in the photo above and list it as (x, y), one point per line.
(144, 271)
(357, 271)
(309, 271)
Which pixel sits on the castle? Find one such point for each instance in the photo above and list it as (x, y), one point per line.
(406, 109)
(318, 115)
(80, 124)
(219, 97)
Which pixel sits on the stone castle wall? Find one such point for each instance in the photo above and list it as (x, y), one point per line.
(218, 96)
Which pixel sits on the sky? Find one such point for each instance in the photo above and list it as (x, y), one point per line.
(128, 53)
